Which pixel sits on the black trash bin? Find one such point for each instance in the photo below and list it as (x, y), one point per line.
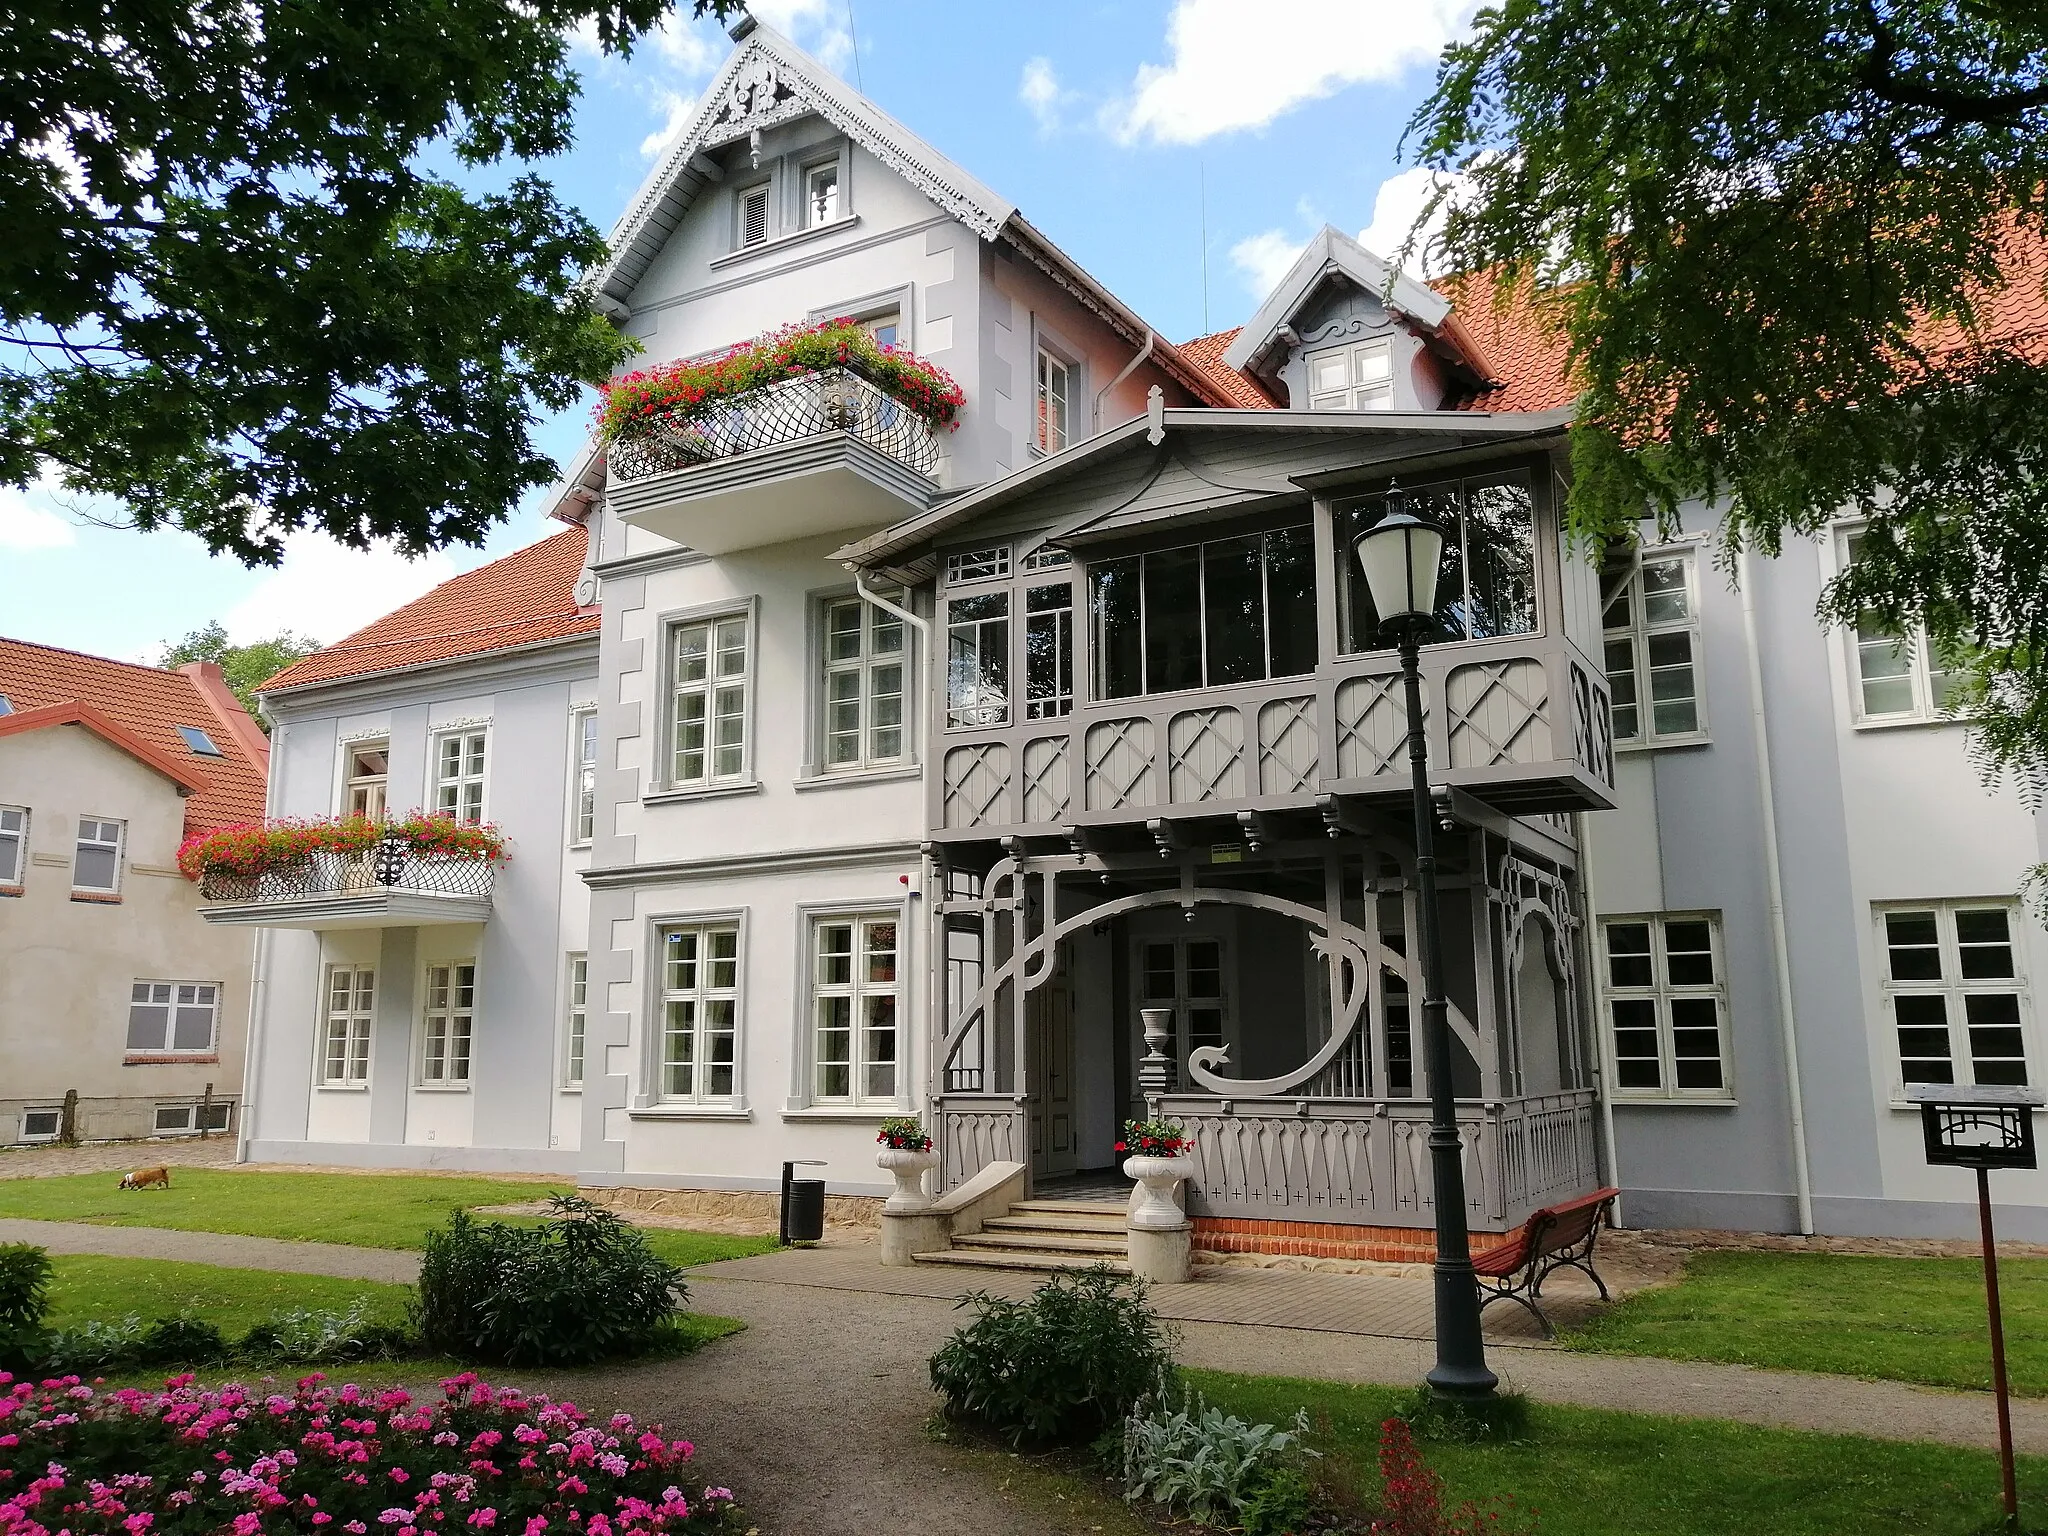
(803, 1204)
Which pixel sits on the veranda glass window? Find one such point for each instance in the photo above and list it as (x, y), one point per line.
(978, 659)
(1486, 586)
(1049, 651)
(1229, 611)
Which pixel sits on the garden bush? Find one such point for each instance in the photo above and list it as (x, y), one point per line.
(1214, 1467)
(25, 1272)
(580, 1287)
(1059, 1368)
(187, 1462)
(323, 1336)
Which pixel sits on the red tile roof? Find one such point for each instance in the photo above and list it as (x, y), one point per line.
(1206, 354)
(140, 709)
(524, 599)
(1529, 355)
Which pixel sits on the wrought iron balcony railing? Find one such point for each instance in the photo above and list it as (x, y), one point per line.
(787, 411)
(393, 866)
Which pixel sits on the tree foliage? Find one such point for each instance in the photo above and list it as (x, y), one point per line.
(242, 667)
(236, 294)
(1794, 245)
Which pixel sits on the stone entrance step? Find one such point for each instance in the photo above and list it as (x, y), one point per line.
(1095, 1208)
(1045, 1242)
(1042, 1263)
(1033, 1221)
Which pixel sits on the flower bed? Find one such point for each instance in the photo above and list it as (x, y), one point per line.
(480, 1462)
(258, 847)
(637, 403)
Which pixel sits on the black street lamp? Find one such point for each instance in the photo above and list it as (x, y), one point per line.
(1400, 555)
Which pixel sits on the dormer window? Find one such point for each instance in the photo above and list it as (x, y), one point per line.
(1352, 378)
(752, 217)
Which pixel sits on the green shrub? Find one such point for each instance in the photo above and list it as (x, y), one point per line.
(1213, 1467)
(323, 1336)
(183, 1340)
(98, 1348)
(1060, 1368)
(582, 1286)
(25, 1272)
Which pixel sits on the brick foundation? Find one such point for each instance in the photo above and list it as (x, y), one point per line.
(1325, 1240)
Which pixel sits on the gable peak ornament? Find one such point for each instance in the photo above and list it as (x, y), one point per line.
(756, 88)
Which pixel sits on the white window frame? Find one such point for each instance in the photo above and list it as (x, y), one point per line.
(158, 1128)
(859, 670)
(575, 1019)
(1660, 994)
(1953, 987)
(56, 1131)
(857, 991)
(119, 845)
(718, 623)
(177, 997)
(813, 170)
(472, 778)
(356, 1021)
(447, 1024)
(762, 192)
(702, 990)
(583, 751)
(1913, 648)
(1638, 634)
(14, 828)
(1050, 366)
(1376, 395)
(376, 787)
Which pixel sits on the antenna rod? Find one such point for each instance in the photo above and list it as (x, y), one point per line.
(1202, 173)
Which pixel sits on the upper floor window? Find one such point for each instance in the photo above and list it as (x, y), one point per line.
(172, 1016)
(1354, 378)
(978, 659)
(1487, 584)
(1952, 985)
(96, 864)
(709, 685)
(1652, 652)
(750, 217)
(821, 193)
(977, 564)
(583, 728)
(1055, 380)
(1667, 1004)
(864, 670)
(369, 777)
(13, 843)
(1228, 611)
(1903, 675)
(459, 775)
(856, 1049)
(448, 1023)
(886, 328)
(700, 989)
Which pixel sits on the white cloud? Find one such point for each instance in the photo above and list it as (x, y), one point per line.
(817, 25)
(678, 107)
(327, 590)
(1233, 66)
(27, 524)
(1396, 207)
(1039, 89)
(1263, 259)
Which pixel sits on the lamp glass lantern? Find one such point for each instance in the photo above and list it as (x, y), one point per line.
(1400, 556)
(1977, 1126)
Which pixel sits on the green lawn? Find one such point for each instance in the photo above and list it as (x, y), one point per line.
(1593, 1473)
(363, 1210)
(1903, 1319)
(90, 1288)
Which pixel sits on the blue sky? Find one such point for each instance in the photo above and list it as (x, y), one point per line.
(1104, 120)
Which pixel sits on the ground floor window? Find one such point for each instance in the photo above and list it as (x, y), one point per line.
(351, 1001)
(172, 1017)
(579, 1016)
(1952, 987)
(856, 1016)
(1186, 976)
(1667, 1005)
(450, 1017)
(700, 992)
(41, 1124)
(178, 1119)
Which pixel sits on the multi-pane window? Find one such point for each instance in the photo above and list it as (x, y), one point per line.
(700, 992)
(448, 1020)
(1055, 380)
(345, 1035)
(708, 701)
(583, 727)
(165, 1016)
(459, 775)
(579, 1020)
(863, 685)
(1667, 1004)
(856, 1026)
(1486, 584)
(977, 564)
(978, 659)
(172, 1119)
(821, 194)
(1049, 650)
(1652, 652)
(13, 843)
(1186, 975)
(752, 217)
(1952, 986)
(1355, 378)
(886, 328)
(1904, 676)
(369, 776)
(96, 865)
(1229, 611)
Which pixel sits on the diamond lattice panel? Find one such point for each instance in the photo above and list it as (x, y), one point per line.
(1372, 726)
(977, 785)
(1498, 713)
(1048, 784)
(1205, 755)
(1120, 771)
(1288, 746)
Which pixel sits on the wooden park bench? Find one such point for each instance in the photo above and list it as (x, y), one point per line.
(1556, 1237)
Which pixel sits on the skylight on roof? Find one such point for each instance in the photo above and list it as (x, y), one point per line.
(199, 741)
(6, 705)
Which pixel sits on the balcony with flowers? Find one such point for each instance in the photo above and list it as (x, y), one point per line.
(806, 430)
(345, 872)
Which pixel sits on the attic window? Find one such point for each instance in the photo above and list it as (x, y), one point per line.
(1355, 378)
(753, 217)
(200, 743)
(821, 194)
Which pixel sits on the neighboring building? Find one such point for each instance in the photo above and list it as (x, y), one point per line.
(122, 1013)
(905, 772)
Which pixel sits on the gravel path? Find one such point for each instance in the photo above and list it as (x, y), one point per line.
(383, 1264)
(115, 1157)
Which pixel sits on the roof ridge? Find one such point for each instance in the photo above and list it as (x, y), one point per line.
(447, 634)
(105, 661)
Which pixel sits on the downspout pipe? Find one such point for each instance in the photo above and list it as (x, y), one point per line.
(1774, 880)
(1102, 394)
(896, 610)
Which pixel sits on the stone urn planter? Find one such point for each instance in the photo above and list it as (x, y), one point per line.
(1153, 1204)
(907, 1167)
